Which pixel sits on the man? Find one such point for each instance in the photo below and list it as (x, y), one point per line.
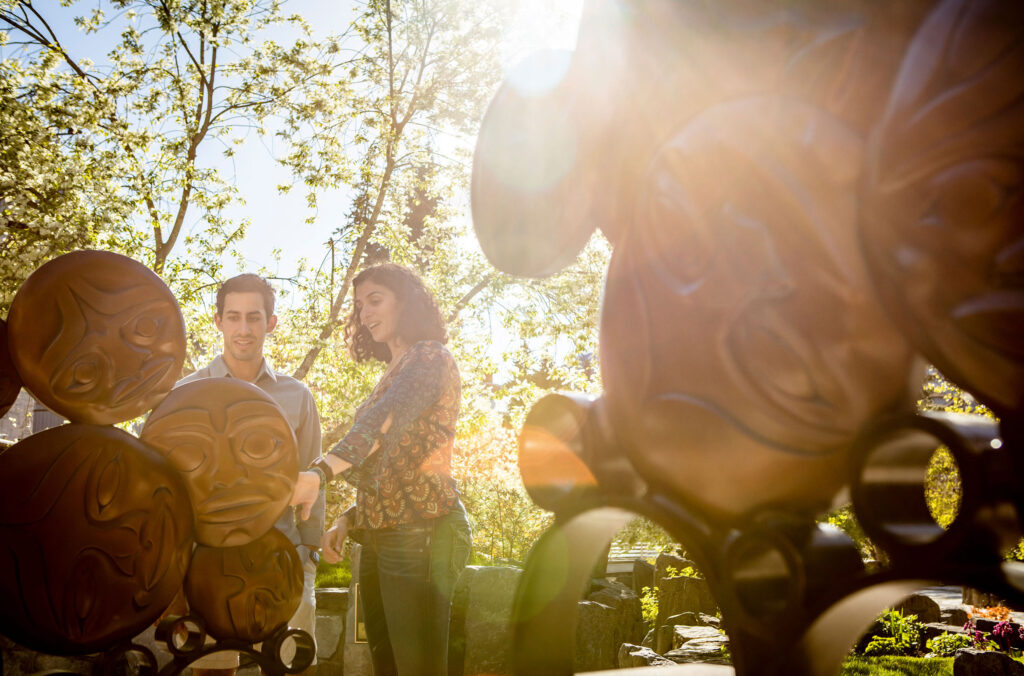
(245, 315)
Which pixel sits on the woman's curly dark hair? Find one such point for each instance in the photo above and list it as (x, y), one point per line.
(420, 317)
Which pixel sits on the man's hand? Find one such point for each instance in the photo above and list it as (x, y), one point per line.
(334, 539)
(307, 487)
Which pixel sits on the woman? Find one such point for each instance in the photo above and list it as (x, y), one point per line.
(408, 515)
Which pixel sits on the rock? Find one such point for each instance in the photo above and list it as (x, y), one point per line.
(609, 617)
(486, 596)
(643, 575)
(706, 650)
(683, 594)
(688, 618)
(955, 616)
(666, 561)
(710, 620)
(980, 599)
(683, 635)
(926, 609)
(985, 625)
(933, 629)
(638, 656)
(971, 662)
(649, 639)
(17, 659)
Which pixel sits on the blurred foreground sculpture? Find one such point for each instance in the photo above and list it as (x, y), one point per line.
(806, 201)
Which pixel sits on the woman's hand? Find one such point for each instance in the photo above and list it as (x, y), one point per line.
(307, 487)
(333, 540)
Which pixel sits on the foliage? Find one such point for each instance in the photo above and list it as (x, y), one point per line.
(895, 635)
(856, 665)
(334, 574)
(181, 81)
(978, 638)
(946, 644)
(505, 521)
(641, 531)
(649, 605)
(997, 613)
(942, 487)
(845, 520)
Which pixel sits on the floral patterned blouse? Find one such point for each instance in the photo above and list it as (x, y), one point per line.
(408, 478)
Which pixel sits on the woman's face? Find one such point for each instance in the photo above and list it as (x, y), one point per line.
(379, 310)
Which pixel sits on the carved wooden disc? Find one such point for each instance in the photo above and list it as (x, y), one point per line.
(246, 592)
(943, 217)
(97, 536)
(742, 345)
(96, 336)
(233, 446)
(10, 381)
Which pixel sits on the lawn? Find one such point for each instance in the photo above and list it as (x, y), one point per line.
(897, 666)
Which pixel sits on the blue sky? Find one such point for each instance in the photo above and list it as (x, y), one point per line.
(277, 220)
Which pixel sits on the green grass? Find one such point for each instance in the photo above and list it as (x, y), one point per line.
(333, 575)
(897, 666)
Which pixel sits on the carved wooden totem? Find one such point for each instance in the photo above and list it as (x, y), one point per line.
(10, 381)
(800, 197)
(96, 336)
(236, 452)
(246, 592)
(96, 532)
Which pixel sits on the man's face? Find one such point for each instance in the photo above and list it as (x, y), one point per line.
(244, 324)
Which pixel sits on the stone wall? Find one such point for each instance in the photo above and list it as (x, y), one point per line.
(481, 632)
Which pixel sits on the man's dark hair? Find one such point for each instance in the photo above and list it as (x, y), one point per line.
(419, 319)
(247, 283)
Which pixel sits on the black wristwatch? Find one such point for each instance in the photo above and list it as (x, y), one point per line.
(323, 469)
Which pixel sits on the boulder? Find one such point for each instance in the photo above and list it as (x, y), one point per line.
(683, 635)
(925, 607)
(980, 599)
(666, 561)
(683, 594)
(694, 620)
(707, 650)
(607, 618)
(955, 616)
(638, 656)
(971, 662)
(643, 575)
(933, 629)
(650, 639)
(484, 596)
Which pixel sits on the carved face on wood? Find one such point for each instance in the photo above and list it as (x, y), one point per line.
(248, 591)
(97, 537)
(10, 381)
(943, 222)
(725, 148)
(233, 446)
(739, 319)
(97, 337)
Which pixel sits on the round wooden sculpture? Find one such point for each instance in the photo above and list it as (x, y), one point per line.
(943, 218)
(246, 592)
(96, 336)
(10, 381)
(742, 341)
(233, 446)
(97, 534)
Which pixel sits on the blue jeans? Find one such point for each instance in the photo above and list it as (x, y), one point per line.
(407, 577)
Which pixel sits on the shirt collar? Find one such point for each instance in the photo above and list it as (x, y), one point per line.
(219, 369)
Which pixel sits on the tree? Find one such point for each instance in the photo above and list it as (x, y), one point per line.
(182, 80)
